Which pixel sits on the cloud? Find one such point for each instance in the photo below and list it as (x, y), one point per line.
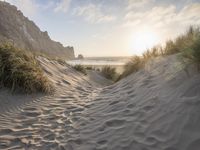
(62, 6)
(165, 16)
(48, 5)
(137, 3)
(190, 14)
(93, 14)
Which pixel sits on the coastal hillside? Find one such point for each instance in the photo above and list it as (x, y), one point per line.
(156, 108)
(23, 33)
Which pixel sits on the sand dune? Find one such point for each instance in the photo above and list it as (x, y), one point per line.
(154, 109)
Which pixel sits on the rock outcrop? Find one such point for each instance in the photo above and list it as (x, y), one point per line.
(18, 29)
(80, 56)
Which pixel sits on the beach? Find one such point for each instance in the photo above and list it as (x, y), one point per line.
(156, 108)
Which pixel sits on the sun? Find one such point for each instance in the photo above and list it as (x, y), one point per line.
(143, 40)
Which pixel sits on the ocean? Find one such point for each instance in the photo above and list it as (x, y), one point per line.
(99, 62)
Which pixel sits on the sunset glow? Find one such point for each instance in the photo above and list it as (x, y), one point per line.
(111, 27)
(143, 40)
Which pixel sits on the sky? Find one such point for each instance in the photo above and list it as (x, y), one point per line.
(111, 27)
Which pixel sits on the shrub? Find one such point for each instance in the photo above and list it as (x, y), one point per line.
(80, 68)
(171, 47)
(61, 61)
(188, 44)
(19, 70)
(109, 73)
(181, 42)
(192, 52)
(135, 64)
(151, 53)
(89, 68)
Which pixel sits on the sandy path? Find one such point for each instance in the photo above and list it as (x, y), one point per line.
(46, 122)
(154, 109)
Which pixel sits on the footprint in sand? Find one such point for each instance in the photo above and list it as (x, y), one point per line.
(66, 98)
(66, 82)
(49, 137)
(192, 91)
(30, 109)
(31, 114)
(102, 142)
(145, 82)
(113, 103)
(130, 92)
(77, 141)
(5, 131)
(81, 89)
(131, 106)
(47, 72)
(115, 123)
(195, 145)
(148, 108)
(170, 148)
(132, 95)
(151, 141)
(112, 124)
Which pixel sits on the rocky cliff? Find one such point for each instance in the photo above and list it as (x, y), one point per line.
(17, 28)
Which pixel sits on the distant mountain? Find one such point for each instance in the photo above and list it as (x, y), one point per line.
(17, 28)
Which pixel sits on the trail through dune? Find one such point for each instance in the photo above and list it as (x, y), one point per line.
(155, 109)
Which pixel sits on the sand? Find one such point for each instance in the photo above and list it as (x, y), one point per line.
(157, 108)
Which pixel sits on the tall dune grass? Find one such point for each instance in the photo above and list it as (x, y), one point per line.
(187, 44)
(80, 68)
(20, 71)
(109, 73)
(192, 51)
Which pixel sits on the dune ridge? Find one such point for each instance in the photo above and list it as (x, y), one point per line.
(156, 108)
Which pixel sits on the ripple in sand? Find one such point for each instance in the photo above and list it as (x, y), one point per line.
(5, 131)
(102, 142)
(195, 145)
(113, 103)
(115, 123)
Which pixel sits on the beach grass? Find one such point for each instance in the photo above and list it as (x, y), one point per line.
(21, 72)
(80, 68)
(109, 73)
(187, 44)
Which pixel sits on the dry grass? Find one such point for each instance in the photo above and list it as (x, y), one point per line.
(192, 51)
(20, 71)
(80, 68)
(136, 63)
(109, 73)
(188, 44)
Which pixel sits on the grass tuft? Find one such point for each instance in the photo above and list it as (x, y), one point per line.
(20, 71)
(192, 51)
(109, 73)
(187, 44)
(134, 64)
(80, 68)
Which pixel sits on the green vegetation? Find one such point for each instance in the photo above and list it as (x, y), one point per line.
(110, 73)
(187, 44)
(98, 69)
(192, 50)
(89, 68)
(20, 71)
(61, 61)
(80, 68)
(135, 63)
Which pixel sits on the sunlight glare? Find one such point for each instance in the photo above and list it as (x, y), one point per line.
(143, 40)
